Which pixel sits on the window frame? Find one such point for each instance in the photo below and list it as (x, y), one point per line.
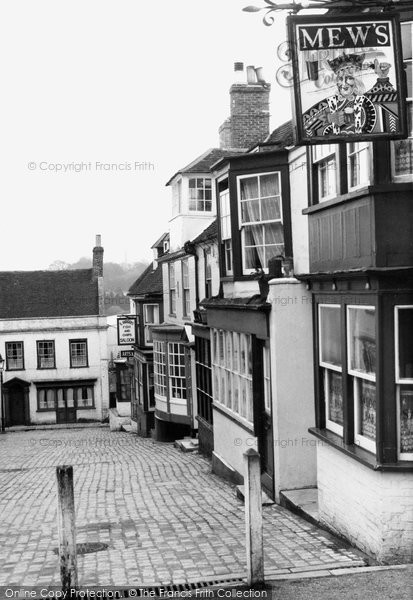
(400, 177)
(147, 324)
(8, 368)
(400, 381)
(366, 149)
(231, 373)
(78, 341)
(326, 368)
(208, 272)
(324, 158)
(186, 289)
(358, 378)
(172, 289)
(203, 200)
(243, 224)
(39, 367)
(225, 230)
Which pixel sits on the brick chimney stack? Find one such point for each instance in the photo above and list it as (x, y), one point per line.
(249, 122)
(97, 266)
(98, 258)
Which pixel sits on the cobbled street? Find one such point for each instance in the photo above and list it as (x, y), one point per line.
(163, 515)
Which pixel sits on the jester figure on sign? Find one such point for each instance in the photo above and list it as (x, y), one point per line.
(352, 110)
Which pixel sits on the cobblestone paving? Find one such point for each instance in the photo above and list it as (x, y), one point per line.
(164, 516)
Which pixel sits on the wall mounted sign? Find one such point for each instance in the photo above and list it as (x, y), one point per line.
(349, 82)
(126, 331)
(126, 353)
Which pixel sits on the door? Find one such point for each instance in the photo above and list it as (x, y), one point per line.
(16, 406)
(65, 408)
(266, 435)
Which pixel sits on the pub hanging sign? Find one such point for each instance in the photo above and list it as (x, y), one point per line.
(126, 331)
(349, 81)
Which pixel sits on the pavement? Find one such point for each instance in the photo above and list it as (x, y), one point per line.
(163, 515)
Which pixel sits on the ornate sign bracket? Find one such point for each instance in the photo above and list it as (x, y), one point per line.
(296, 6)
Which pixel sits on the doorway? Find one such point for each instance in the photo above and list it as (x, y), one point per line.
(65, 406)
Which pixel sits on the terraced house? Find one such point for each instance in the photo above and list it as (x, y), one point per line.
(53, 338)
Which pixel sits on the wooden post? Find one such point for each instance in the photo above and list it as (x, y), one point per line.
(67, 527)
(253, 518)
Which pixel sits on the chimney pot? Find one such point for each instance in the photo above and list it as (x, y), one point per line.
(251, 76)
(238, 66)
(98, 240)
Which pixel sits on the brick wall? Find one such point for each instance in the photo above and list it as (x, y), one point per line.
(250, 117)
(373, 509)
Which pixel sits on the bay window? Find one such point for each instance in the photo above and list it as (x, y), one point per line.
(331, 364)
(159, 364)
(260, 219)
(404, 380)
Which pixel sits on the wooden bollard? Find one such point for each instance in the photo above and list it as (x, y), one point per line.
(253, 518)
(67, 527)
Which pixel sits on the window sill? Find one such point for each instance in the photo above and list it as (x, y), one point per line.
(14, 370)
(233, 417)
(357, 453)
(79, 367)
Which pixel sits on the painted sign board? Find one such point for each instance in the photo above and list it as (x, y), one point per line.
(126, 353)
(349, 83)
(126, 330)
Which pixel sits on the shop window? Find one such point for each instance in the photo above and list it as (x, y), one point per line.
(232, 372)
(404, 379)
(260, 219)
(331, 365)
(78, 397)
(361, 349)
(14, 356)
(267, 377)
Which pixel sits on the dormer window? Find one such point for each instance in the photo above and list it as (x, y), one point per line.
(200, 194)
(165, 246)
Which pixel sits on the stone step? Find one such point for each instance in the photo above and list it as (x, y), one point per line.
(187, 444)
(127, 427)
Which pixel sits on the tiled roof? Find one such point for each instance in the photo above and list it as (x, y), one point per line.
(282, 135)
(31, 294)
(210, 233)
(203, 163)
(150, 282)
(159, 242)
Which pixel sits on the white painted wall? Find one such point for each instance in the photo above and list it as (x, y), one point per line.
(299, 200)
(188, 224)
(373, 509)
(231, 441)
(61, 330)
(292, 385)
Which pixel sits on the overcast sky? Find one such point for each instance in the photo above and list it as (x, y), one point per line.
(113, 81)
